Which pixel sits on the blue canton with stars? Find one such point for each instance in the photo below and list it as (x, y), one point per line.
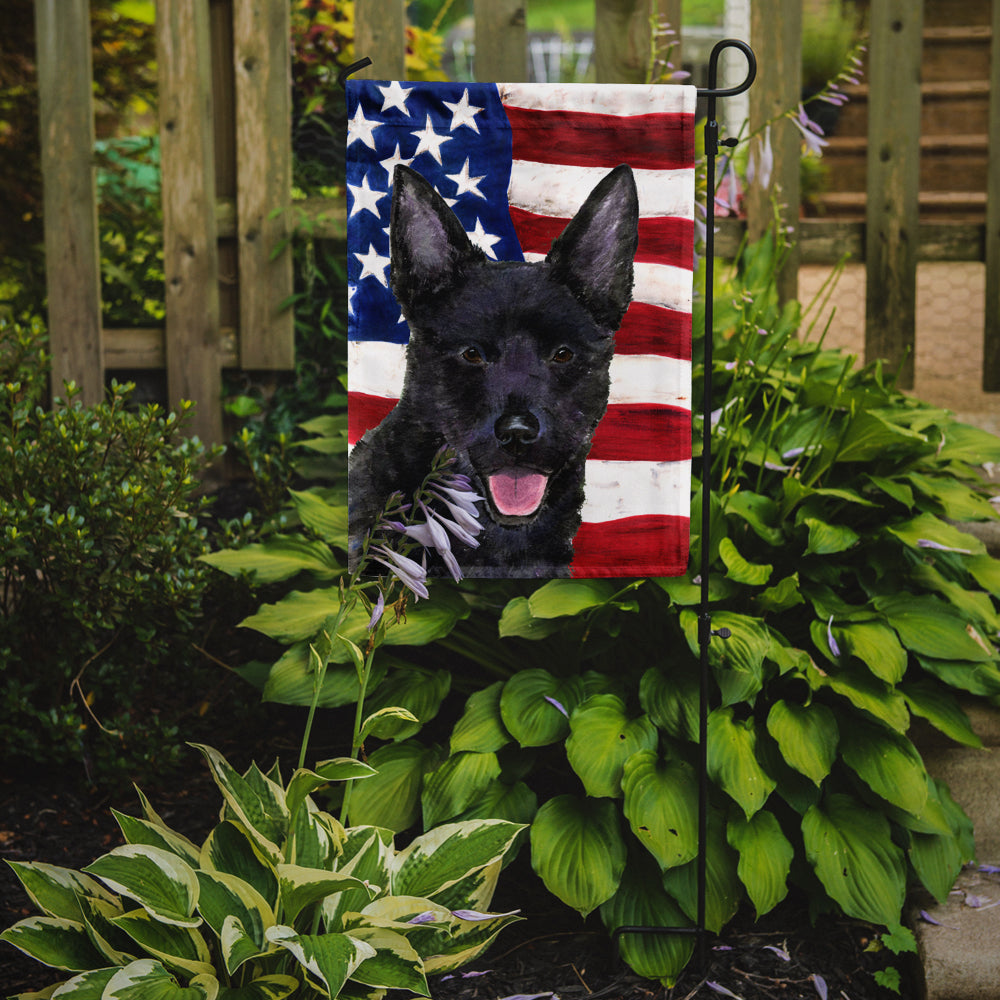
(458, 137)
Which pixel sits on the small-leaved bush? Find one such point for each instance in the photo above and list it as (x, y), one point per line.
(855, 605)
(100, 583)
(279, 900)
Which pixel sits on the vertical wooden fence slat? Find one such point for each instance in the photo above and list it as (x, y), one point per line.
(893, 183)
(72, 256)
(501, 40)
(262, 61)
(380, 34)
(991, 332)
(621, 40)
(776, 36)
(190, 254)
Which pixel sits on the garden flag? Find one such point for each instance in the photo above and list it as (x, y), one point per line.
(520, 282)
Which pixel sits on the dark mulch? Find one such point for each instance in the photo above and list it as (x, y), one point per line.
(551, 951)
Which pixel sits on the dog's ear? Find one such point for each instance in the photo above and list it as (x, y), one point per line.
(593, 255)
(428, 246)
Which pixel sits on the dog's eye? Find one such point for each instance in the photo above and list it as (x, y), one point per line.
(473, 356)
(563, 355)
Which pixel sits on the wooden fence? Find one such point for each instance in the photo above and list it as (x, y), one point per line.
(226, 160)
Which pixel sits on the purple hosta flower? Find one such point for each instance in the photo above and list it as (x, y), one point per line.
(465, 975)
(475, 915)
(820, 983)
(927, 543)
(761, 163)
(834, 648)
(427, 917)
(552, 701)
(780, 952)
(719, 988)
(411, 573)
(990, 869)
(377, 611)
(727, 198)
(811, 132)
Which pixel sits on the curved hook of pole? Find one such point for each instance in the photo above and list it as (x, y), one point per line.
(713, 69)
(348, 70)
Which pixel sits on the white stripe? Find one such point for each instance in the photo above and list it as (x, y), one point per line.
(625, 99)
(630, 489)
(376, 368)
(558, 190)
(655, 284)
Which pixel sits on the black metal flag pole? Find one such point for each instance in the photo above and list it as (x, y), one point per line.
(705, 631)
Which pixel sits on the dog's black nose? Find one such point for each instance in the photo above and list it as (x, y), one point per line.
(516, 429)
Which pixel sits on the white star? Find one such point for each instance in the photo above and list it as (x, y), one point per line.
(364, 197)
(465, 183)
(373, 265)
(430, 141)
(395, 97)
(483, 239)
(360, 128)
(463, 113)
(390, 163)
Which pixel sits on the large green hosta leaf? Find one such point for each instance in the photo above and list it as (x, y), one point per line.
(481, 727)
(602, 738)
(456, 785)
(807, 736)
(941, 709)
(765, 858)
(642, 902)
(279, 558)
(661, 806)
(932, 628)
(850, 848)
(535, 706)
(876, 646)
(671, 700)
(415, 689)
(391, 798)
(926, 528)
(888, 763)
(732, 760)
(559, 598)
(738, 661)
(578, 851)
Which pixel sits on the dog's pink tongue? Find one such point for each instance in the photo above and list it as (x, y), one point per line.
(517, 493)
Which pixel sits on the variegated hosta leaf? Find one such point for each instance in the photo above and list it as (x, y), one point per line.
(274, 987)
(367, 853)
(158, 880)
(147, 979)
(230, 849)
(578, 851)
(466, 941)
(116, 946)
(395, 964)
(732, 760)
(256, 801)
(56, 891)
(807, 736)
(765, 858)
(602, 737)
(481, 727)
(177, 947)
(417, 690)
(661, 805)
(850, 847)
(141, 831)
(723, 889)
(535, 706)
(300, 887)
(304, 782)
(86, 986)
(329, 959)
(476, 890)
(642, 902)
(225, 897)
(441, 857)
(456, 784)
(54, 941)
(315, 838)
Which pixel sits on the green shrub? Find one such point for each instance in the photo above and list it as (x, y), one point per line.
(280, 899)
(99, 542)
(854, 604)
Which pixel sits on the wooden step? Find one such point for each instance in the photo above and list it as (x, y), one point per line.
(947, 162)
(956, 53)
(957, 206)
(945, 12)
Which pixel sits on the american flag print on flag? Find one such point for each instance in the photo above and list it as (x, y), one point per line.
(515, 163)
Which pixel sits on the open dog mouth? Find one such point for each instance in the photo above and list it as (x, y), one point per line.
(517, 492)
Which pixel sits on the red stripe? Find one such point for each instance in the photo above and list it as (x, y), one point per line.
(649, 545)
(365, 412)
(646, 142)
(645, 432)
(662, 239)
(649, 329)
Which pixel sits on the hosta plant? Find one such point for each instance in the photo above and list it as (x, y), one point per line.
(279, 900)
